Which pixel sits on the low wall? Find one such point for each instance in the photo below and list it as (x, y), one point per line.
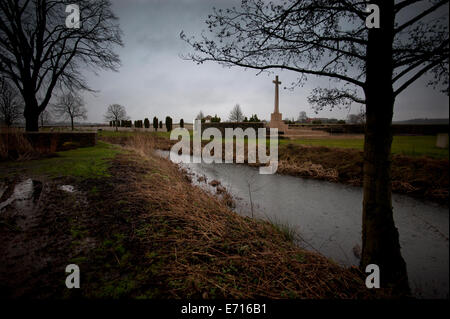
(60, 141)
(242, 125)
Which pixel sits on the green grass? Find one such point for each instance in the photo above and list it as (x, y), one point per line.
(284, 228)
(337, 143)
(404, 145)
(115, 133)
(162, 134)
(86, 162)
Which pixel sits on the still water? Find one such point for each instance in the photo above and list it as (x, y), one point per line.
(327, 216)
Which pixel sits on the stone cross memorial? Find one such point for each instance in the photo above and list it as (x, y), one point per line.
(276, 117)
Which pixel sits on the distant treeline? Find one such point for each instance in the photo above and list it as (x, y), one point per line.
(423, 121)
(397, 129)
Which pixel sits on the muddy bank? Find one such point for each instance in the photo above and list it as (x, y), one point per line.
(424, 178)
(146, 232)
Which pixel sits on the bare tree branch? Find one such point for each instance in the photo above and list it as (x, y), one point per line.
(39, 53)
(421, 16)
(11, 107)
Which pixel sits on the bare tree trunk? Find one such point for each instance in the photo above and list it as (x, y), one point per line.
(71, 121)
(31, 114)
(380, 238)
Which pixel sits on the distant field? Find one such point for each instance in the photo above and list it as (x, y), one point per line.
(404, 145)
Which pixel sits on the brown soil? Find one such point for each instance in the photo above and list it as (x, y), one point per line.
(147, 232)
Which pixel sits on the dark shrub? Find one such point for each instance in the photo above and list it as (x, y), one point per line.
(168, 123)
(155, 123)
(254, 118)
(215, 119)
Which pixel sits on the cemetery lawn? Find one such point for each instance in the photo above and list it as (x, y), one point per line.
(138, 228)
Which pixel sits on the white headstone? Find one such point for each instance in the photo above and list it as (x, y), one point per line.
(442, 141)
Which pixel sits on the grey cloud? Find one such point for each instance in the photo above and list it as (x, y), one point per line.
(155, 81)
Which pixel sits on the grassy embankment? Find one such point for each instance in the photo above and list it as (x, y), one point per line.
(137, 228)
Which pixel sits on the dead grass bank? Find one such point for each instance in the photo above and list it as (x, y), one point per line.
(194, 246)
(15, 146)
(421, 177)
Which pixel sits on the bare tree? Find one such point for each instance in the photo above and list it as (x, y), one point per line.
(45, 117)
(302, 117)
(353, 119)
(236, 114)
(356, 118)
(116, 113)
(370, 63)
(200, 116)
(39, 52)
(70, 106)
(11, 108)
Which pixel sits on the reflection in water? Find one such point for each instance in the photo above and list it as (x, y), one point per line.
(328, 218)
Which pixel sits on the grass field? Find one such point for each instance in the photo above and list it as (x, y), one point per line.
(85, 162)
(405, 145)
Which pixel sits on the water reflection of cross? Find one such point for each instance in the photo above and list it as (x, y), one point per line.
(276, 82)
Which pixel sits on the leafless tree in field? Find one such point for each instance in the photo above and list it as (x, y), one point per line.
(40, 53)
(116, 113)
(356, 118)
(200, 116)
(302, 117)
(11, 107)
(70, 106)
(371, 66)
(236, 114)
(45, 117)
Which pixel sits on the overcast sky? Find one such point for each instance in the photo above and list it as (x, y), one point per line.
(155, 81)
